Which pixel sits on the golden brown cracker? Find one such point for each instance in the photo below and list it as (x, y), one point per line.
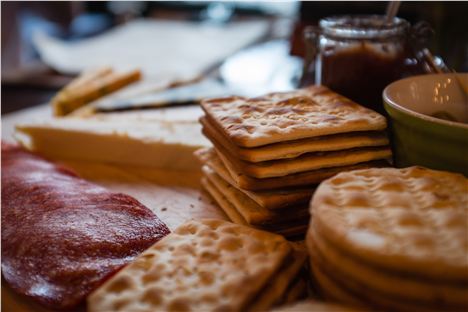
(285, 116)
(292, 230)
(293, 149)
(412, 220)
(253, 213)
(306, 162)
(203, 265)
(280, 283)
(340, 288)
(304, 179)
(386, 282)
(270, 199)
(227, 207)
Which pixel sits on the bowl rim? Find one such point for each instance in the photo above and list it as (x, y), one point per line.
(387, 98)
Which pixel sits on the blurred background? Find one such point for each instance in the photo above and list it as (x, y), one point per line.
(42, 41)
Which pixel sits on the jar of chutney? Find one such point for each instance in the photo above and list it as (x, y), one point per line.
(358, 56)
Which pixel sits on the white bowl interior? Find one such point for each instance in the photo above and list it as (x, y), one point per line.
(433, 95)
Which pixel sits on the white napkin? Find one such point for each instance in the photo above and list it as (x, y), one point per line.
(167, 50)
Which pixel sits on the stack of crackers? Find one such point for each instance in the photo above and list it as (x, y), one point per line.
(207, 265)
(312, 305)
(270, 152)
(392, 239)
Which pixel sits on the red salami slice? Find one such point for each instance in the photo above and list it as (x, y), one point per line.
(63, 236)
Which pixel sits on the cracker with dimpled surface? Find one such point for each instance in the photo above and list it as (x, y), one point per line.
(278, 117)
(253, 213)
(292, 149)
(397, 287)
(335, 287)
(411, 220)
(203, 265)
(278, 286)
(270, 199)
(222, 201)
(302, 179)
(306, 162)
(292, 230)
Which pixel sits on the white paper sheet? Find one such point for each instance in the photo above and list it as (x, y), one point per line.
(162, 49)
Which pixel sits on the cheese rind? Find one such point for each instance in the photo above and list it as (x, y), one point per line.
(159, 144)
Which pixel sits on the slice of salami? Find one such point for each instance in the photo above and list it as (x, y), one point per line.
(62, 236)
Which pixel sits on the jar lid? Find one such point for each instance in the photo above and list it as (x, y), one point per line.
(363, 26)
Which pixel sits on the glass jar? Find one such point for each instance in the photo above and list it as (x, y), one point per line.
(358, 56)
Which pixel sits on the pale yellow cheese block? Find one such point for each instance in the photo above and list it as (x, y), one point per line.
(155, 144)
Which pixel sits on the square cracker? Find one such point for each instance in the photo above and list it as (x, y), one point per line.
(253, 213)
(304, 163)
(270, 199)
(303, 179)
(293, 230)
(277, 288)
(204, 265)
(278, 117)
(293, 149)
(227, 207)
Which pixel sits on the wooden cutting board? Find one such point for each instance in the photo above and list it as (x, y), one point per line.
(172, 195)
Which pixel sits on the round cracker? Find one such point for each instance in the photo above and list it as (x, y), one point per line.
(398, 287)
(346, 291)
(412, 220)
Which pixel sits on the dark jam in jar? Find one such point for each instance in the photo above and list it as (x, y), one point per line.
(361, 73)
(358, 56)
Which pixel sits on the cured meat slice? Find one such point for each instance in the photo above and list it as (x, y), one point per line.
(62, 236)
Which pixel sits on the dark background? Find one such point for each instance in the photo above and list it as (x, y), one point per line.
(26, 81)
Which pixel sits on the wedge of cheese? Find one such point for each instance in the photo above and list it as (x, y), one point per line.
(156, 144)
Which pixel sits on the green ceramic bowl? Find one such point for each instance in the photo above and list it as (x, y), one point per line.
(429, 121)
